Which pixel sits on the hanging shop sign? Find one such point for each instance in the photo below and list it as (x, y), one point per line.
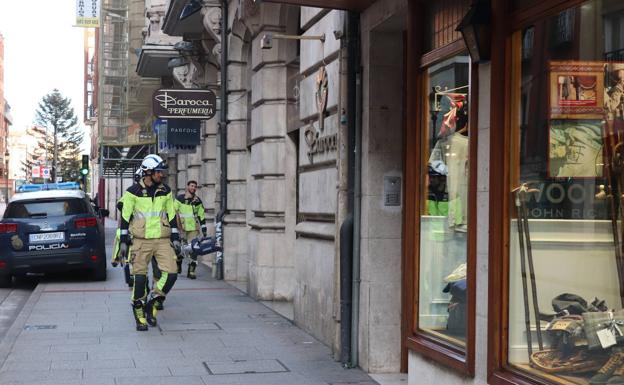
(183, 132)
(186, 104)
(317, 141)
(165, 147)
(88, 13)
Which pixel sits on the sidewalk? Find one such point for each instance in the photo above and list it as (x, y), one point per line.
(209, 334)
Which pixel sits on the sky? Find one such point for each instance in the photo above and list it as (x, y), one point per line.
(42, 51)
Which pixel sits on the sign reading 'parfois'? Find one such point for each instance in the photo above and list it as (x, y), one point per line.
(187, 104)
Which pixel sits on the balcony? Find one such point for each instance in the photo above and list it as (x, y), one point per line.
(153, 60)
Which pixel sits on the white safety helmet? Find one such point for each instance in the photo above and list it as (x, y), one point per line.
(152, 162)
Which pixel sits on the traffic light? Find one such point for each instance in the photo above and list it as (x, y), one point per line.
(84, 170)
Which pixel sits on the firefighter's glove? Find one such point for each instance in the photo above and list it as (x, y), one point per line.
(122, 255)
(177, 246)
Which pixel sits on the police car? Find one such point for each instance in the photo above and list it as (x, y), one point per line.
(51, 228)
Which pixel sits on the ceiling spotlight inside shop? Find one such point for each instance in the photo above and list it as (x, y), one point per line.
(177, 62)
(192, 7)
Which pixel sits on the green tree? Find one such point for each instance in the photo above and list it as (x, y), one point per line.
(57, 116)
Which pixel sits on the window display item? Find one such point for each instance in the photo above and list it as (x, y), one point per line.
(601, 326)
(456, 323)
(457, 115)
(575, 304)
(580, 361)
(566, 333)
(575, 149)
(614, 367)
(458, 274)
(452, 151)
(576, 89)
(524, 240)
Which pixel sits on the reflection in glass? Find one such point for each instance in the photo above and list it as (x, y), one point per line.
(566, 270)
(444, 218)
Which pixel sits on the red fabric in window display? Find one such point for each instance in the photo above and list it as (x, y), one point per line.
(449, 123)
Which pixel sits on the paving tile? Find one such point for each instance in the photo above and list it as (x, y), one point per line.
(261, 379)
(241, 367)
(93, 364)
(25, 365)
(31, 376)
(179, 380)
(93, 381)
(46, 356)
(126, 372)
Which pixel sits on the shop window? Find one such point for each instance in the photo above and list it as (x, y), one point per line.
(443, 290)
(566, 245)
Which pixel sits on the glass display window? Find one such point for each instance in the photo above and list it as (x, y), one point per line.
(443, 288)
(566, 239)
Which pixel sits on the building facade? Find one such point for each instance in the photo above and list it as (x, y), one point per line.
(424, 205)
(5, 122)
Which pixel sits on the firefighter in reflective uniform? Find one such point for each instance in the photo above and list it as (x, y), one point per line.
(149, 217)
(192, 217)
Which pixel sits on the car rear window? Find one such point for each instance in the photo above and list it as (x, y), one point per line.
(46, 208)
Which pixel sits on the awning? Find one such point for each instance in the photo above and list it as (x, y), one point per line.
(350, 5)
(173, 26)
(154, 59)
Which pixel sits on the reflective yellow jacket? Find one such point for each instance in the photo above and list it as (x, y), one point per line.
(148, 212)
(190, 211)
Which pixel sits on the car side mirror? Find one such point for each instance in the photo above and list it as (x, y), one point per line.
(104, 213)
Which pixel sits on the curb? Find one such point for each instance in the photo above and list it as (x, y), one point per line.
(6, 345)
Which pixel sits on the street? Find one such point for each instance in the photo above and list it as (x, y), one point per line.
(71, 331)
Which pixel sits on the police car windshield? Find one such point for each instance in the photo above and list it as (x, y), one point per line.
(46, 208)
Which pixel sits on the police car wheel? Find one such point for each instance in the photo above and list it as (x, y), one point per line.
(99, 273)
(6, 280)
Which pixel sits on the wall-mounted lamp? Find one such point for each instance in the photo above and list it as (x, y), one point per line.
(476, 30)
(177, 62)
(184, 46)
(267, 39)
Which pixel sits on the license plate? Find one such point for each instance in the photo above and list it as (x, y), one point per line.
(46, 237)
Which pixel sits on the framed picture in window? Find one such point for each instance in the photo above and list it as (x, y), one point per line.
(575, 148)
(576, 90)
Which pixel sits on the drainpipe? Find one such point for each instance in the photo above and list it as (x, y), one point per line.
(222, 139)
(348, 259)
(355, 319)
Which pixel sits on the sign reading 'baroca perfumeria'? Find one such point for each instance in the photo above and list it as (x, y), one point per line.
(88, 13)
(187, 104)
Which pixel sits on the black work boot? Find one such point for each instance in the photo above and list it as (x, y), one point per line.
(191, 270)
(151, 308)
(138, 310)
(179, 262)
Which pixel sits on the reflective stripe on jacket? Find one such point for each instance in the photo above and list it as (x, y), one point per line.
(190, 210)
